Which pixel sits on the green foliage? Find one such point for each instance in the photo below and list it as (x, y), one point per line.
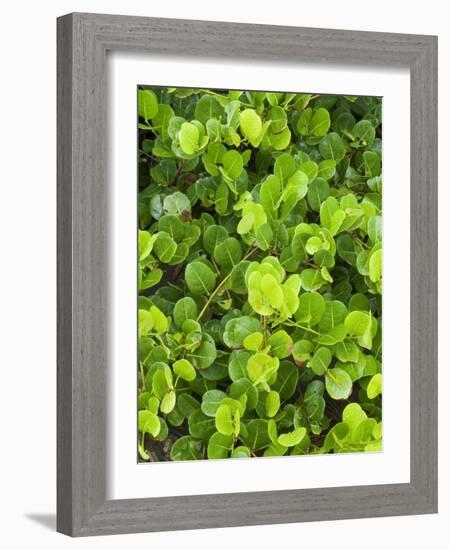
(259, 274)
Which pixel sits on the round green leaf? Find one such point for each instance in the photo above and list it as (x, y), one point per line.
(189, 137)
(186, 448)
(203, 356)
(223, 420)
(272, 403)
(334, 315)
(168, 402)
(320, 123)
(365, 132)
(219, 446)
(211, 401)
(264, 236)
(243, 386)
(250, 125)
(311, 308)
(374, 387)
(228, 253)
(208, 108)
(241, 452)
(254, 341)
(184, 370)
(375, 266)
(292, 438)
(320, 361)
(149, 423)
(286, 379)
(238, 329)
(232, 163)
(332, 147)
(338, 383)
(147, 104)
(164, 247)
(256, 435)
(184, 309)
(177, 204)
(200, 425)
(200, 278)
(213, 236)
(362, 325)
(281, 344)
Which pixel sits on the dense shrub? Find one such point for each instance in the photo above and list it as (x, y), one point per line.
(260, 273)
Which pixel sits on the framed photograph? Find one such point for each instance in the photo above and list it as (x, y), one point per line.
(247, 274)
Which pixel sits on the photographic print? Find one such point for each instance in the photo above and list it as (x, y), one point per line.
(259, 274)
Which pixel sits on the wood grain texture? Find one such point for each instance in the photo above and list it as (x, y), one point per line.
(83, 40)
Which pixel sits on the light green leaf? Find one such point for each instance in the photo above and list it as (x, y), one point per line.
(272, 290)
(185, 308)
(326, 169)
(284, 168)
(281, 344)
(186, 448)
(211, 401)
(250, 125)
(261, 368)
(347, 351)
(168, 402)
(320, 123)
(148, 106)
(238, 329)
(148, 422)
(278, 118)
(338, 383)
(362, 325)
(270, 192)
(281, 140)
(375, 266)
(272, 403)
(253, 342)
(146, 322)
(374, 387)
(189, 137)
(365, 132)
(146, 242)
(164, 247)
(160, 321)
(223, 420)
(161, 120)
(312, 279)
(232, 163)
(292, 438)
(241, 452)
(177, 204)
(184, 370)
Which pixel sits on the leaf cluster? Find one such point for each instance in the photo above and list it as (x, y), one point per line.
(259, 273)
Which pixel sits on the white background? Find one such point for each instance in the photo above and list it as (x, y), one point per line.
(27, 218)
(130, 480)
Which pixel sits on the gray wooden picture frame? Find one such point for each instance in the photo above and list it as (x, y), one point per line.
(83, 40)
